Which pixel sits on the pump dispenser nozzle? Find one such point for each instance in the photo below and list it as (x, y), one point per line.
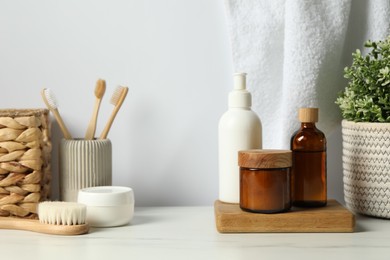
(240, 97)
(239, 80)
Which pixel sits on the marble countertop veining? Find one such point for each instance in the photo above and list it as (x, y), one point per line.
(190, 233)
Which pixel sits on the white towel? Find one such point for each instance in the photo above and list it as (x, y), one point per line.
(294, 53)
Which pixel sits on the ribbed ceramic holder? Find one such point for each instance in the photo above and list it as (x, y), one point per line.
(84, 163)
(366, 167)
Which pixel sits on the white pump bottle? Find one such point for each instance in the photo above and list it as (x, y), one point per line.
(239, 129)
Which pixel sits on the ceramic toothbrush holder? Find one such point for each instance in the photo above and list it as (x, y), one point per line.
(84, 163)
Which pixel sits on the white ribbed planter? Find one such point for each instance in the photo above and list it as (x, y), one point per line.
(366, 167)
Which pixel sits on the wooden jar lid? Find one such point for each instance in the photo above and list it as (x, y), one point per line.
(308, 115)
(265, 159)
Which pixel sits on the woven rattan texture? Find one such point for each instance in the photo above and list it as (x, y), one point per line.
(25, 173)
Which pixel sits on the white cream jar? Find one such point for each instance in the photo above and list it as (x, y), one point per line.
(108, 206)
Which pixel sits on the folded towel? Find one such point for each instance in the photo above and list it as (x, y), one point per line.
(294, 53)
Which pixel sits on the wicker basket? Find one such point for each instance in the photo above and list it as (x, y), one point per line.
(24, 161)
(366, 167)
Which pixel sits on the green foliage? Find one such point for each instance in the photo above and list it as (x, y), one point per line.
(367, 96)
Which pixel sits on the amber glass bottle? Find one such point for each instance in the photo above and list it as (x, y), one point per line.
(308, 177)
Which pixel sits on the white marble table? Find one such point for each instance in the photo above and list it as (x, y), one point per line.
(190, 233)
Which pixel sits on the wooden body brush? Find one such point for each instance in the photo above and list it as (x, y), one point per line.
(55, 217)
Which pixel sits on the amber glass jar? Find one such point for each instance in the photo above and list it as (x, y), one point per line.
(265, 180)
(308, 144)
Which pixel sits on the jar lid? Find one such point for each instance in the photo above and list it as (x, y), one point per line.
(263, 159)
(308, 115)
(106, 196)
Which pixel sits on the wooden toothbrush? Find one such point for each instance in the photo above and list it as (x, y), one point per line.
(117, 99)
(55, 217)
(100, 89)
(52, 105)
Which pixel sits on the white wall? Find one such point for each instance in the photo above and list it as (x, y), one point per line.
(175, 57)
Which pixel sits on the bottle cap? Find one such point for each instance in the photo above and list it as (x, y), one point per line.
(308, 115)
(239, 96)
(265, 159)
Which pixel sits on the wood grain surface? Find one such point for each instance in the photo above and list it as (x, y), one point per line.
(332, 218)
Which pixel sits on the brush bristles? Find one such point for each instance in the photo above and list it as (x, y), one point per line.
(62, 213)
(116, 95)
(100, 88)
(51, 99)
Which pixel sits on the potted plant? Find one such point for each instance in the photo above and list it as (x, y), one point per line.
(365, 107)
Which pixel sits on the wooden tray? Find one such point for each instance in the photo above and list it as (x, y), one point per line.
(332, 218)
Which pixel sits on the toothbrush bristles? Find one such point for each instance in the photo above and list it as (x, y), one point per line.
(51, 99)
(116, 95)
